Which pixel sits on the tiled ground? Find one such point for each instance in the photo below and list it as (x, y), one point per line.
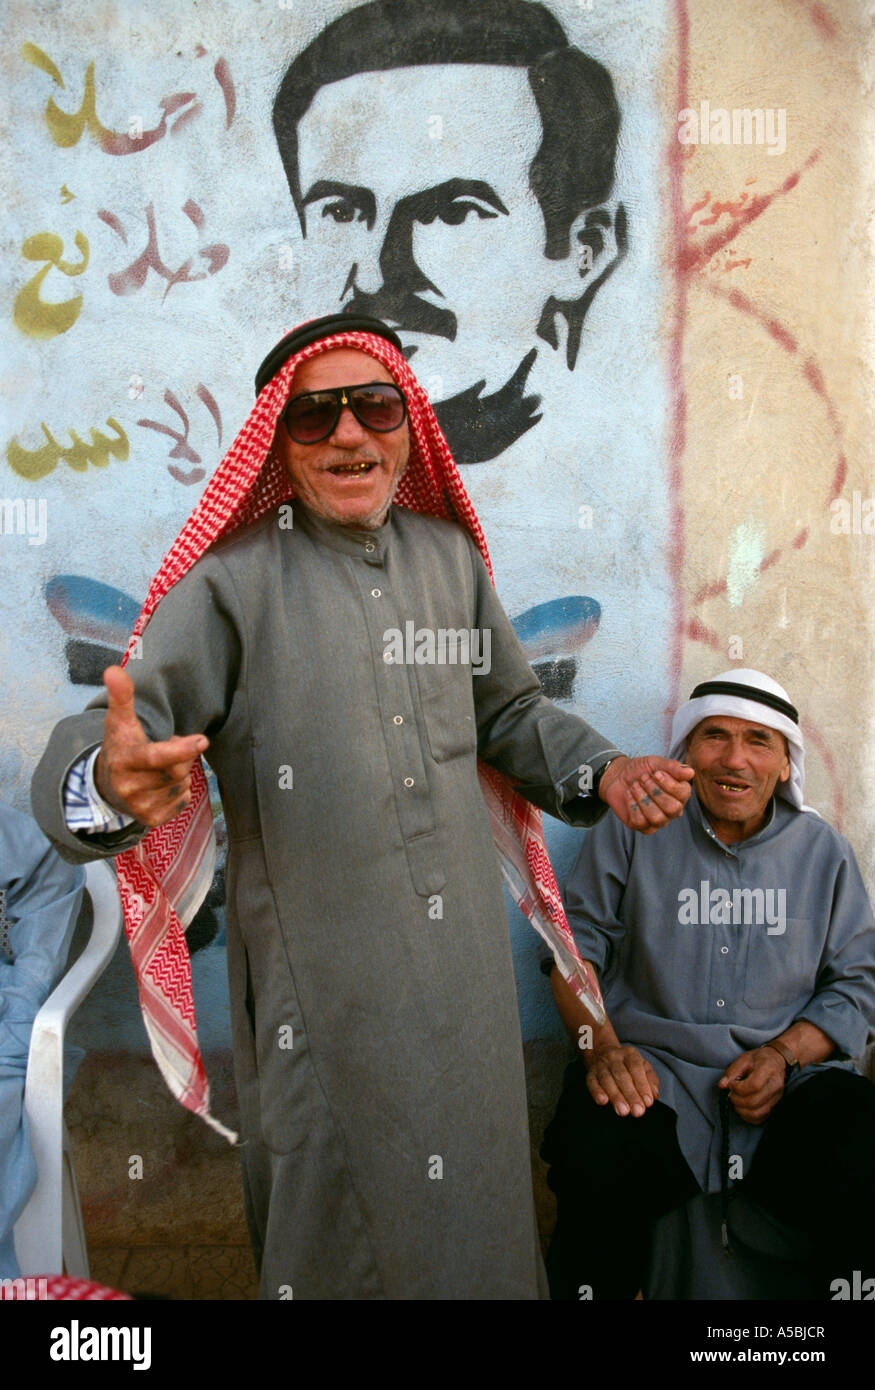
(177, 1272)
(178, 1231)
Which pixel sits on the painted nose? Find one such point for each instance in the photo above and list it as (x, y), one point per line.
(366, 275)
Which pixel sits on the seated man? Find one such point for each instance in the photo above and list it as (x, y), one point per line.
(737, 953)
(39, 902)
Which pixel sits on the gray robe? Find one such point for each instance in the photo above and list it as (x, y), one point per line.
(386, 1153)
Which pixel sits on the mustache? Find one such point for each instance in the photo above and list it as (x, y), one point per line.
(405, 312)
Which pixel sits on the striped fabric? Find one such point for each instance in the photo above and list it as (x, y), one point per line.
(84, 807)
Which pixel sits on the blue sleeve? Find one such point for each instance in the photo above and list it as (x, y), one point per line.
(595, 889)
(843, 1003)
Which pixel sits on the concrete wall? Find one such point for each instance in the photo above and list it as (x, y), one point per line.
(694, 492)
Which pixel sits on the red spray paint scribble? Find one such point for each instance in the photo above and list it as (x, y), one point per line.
(811, 733)
(693, 257)
(112, 221)
(186, 116)
(210, 402)
(809, 370)
(195, 213)
(223, 76)
(687, 260)
(678, 419)
(824, 22)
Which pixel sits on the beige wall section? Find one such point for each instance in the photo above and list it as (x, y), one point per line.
(763, 561)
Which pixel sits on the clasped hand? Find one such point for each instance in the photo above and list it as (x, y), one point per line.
(646, 793)
(755, 1082)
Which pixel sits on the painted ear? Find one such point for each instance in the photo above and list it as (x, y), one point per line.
(597, 242)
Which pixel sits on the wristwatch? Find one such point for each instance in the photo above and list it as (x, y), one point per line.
(597, 780)
(791, 1063)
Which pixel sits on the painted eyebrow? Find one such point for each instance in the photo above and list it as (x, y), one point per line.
(362, 197)
(459, 188)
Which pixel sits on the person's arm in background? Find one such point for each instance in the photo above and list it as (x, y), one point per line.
(616, 1074)
(554, 757)
(41, 900)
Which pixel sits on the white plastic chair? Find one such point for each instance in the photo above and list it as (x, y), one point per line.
(49, 1236)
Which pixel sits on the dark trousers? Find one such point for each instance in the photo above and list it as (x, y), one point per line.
(613, 1176)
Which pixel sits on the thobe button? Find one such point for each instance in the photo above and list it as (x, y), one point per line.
(720, 1003)
(370, 547)
(408, 782)
(397, 719)
(724, 950)
(376, 593)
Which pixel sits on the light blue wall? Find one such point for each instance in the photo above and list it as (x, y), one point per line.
(237, 274)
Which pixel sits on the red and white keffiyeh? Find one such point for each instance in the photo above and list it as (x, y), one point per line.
(164, 879)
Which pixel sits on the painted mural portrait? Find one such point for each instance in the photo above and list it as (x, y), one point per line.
(479, 248)
(453, 168)
(646, 346)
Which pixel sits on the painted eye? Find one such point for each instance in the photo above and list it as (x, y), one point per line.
(341, 211)
(456, 212)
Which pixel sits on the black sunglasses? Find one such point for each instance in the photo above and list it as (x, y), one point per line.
(313, 416)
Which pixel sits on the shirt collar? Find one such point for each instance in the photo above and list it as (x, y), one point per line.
(775, 816)
(348, 540)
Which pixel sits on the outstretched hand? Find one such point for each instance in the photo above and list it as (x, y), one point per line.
(646, 793)
(150, 781)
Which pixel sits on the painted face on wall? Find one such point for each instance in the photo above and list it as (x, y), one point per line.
(437, 233)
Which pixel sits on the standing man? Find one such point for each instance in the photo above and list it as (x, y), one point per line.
(738, 959)
(313, 647)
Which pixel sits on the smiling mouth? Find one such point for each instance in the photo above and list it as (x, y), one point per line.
(352, 469)
(732, 787)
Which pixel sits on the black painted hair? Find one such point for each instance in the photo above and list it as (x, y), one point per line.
(574, 167)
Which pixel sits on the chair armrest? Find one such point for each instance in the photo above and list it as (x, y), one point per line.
(39, 1226)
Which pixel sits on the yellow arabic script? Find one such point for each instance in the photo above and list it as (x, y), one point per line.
(33, 315)
(36, 463)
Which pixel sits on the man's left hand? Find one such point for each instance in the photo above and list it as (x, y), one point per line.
(756, 1083)
(646, 793)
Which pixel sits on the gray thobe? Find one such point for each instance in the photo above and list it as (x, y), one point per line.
(386, 1152)
(692, 991)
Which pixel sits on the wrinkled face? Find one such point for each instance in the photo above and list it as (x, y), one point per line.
(352, 475)
(438, 233)
(738, 764)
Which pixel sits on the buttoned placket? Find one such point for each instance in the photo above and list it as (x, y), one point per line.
(394, 688)
(726, 962)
